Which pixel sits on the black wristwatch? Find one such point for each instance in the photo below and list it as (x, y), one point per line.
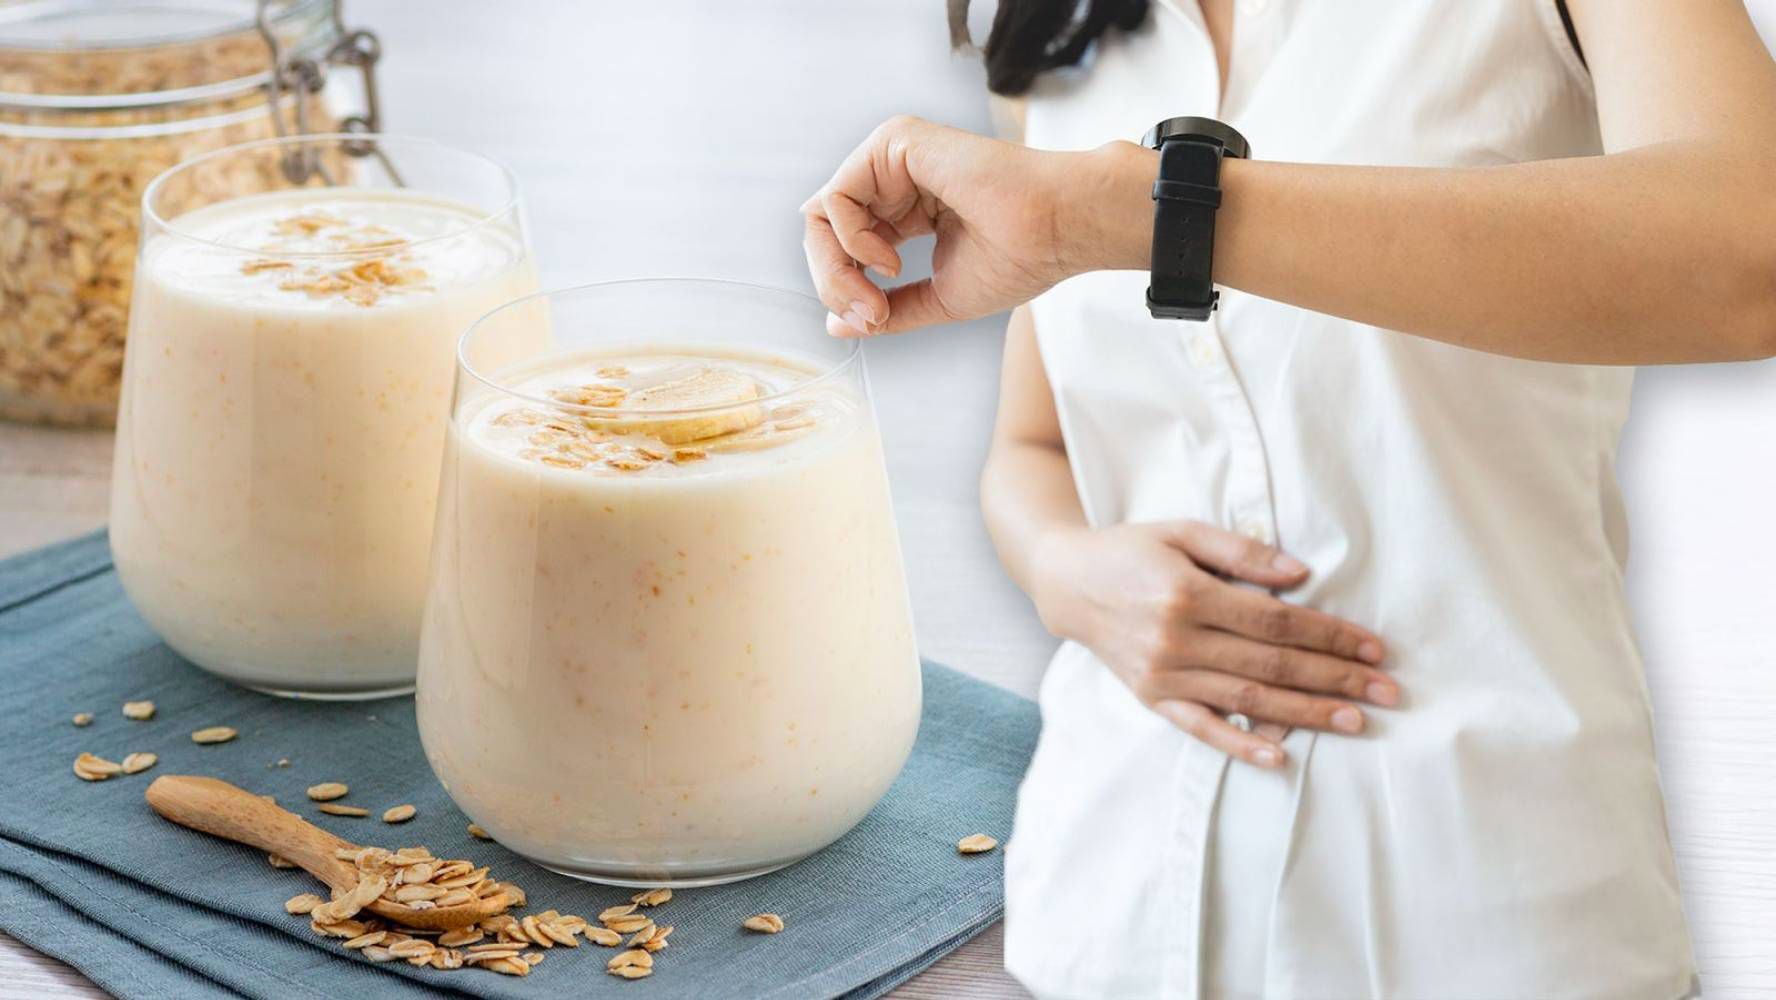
(1184, 201)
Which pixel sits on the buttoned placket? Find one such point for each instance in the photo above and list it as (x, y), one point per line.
(1250, 511)
(1247, 506)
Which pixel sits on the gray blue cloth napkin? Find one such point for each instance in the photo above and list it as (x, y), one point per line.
(149, 909)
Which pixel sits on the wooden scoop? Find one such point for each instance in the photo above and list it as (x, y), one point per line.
(223, 810)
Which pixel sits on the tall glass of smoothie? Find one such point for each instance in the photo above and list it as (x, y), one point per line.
(667, 639)
(286, 390)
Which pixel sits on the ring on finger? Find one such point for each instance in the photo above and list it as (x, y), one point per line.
(1239, 722)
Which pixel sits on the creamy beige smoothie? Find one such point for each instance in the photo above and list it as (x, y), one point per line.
(282, 425)
(667, 648)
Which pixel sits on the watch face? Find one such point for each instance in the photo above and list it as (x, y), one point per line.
(1198, 130)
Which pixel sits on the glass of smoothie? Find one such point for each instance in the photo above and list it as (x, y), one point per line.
(668, 640)
(286, 390)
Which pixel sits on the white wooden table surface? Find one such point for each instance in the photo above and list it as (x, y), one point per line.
(676, 137)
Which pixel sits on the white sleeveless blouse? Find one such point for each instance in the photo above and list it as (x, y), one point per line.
(1502, 834)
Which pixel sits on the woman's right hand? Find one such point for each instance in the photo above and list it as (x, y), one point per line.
(1157, 604)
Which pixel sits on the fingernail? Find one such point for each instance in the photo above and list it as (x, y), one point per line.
(1282, 562)
(1347, 720)
(1385, 695)
(867, 310)
(1267, 756)
(1369, 651)
(883, 270)
(854, 321)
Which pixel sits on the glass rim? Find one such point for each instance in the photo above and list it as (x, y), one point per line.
(853, 350)
(157, 222)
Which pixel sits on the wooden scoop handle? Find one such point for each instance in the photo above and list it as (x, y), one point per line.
(232, 813)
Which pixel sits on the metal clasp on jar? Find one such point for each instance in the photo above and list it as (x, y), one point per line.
(302, 77)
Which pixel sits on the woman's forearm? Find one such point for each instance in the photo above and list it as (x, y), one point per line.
(1027, 497)
(1661, 254)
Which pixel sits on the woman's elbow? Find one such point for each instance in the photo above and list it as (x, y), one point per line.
(1749, 325)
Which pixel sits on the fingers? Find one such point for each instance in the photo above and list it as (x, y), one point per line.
(1208, 726)
(852, 298)
(913, 305)
(1278, 623)
(1260, 702)
(1237, 556)
(871, 203)
(860, 233)
(1289, 667)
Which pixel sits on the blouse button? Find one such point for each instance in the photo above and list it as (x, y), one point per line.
(1256, 530)
(1203, 350)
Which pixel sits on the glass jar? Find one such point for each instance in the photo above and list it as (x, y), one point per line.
(668, 640)
(286, 391)
(97, 97)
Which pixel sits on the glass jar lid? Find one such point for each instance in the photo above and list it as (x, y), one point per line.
(102, 54)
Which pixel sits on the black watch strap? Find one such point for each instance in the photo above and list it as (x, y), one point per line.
(1185, 197)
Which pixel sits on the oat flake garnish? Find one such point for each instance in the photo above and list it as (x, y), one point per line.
(214, 734)
(398, 814)
(83, 719)
(338, 809)
(136, 763)
(976, 843)
(651, 897)
(279, 861)
(478, 833)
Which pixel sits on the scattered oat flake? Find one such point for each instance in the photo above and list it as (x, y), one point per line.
(136, 763)
(534, 958)
(632, 957)
(83, 718)
(279, 861)
(632, 972)
(256, 266)
(603, 936)
(398, 814)
(976, 843)
(337, 809)
(214, 734)
(327, 791)
(651, 897)
(283, 762)
(366, 940)
(92, 768)
(478, 833)
(304, 903)
(624, 925)
(764, 923)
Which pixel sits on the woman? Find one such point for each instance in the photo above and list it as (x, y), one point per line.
(1359, 532)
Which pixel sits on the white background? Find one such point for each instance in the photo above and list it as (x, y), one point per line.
(677, 137)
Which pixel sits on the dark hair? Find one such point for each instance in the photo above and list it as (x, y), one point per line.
(1030, 37)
